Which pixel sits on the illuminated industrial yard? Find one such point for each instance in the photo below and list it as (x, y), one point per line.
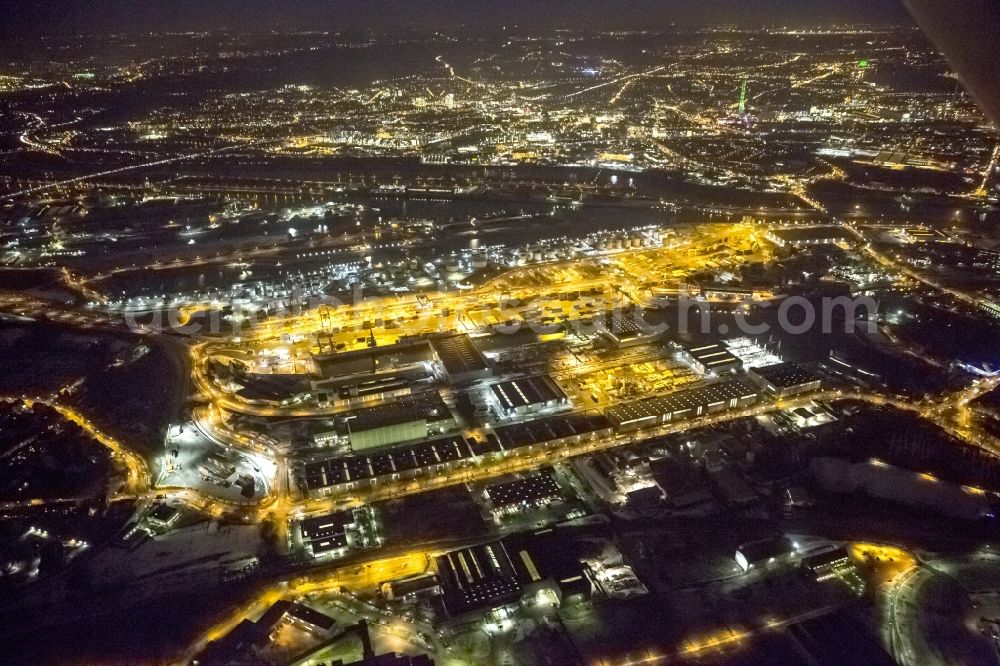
(584, 342)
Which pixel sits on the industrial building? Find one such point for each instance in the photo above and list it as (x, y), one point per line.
(357, 389)
(712, 359)
(922, 235)
(645, 499)
(461, 359)
(518, 397)
(550, 431)
(828, 564)
(342, 473)
(764, 553)
(261, 389)
(808, 416)
(312, 620)
(404, 355)
(299, 615)
(717, 291)
(784, 379)
(477, 578)
(815, 235)
(403, 420)
(521, 494)
(551, 567)
(538, 568)
(623, 329)
(687, 403)
(163, 516)
(383, 425)
(327, 535)
(412, 589)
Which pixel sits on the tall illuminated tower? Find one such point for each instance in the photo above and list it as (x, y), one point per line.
(743, 101)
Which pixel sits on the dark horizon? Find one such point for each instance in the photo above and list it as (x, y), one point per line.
(116, 16)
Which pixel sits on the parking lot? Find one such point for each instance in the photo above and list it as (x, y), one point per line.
(194, 461)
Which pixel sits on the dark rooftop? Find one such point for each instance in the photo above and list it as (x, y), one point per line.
(713, 355)
(681, 403)
(758, 551)
(326, 533)
(825, 558)
(548, 429)
(803, 234)
(311, 616)
(321, 527)
(785, 375)
(532, 488)
(163, 512)
(459, 355)
(345, 469)
(515, 393)
(478, 577)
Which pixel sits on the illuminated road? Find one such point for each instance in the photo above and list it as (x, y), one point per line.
(730, 637)
(520, 461)
(452, 74)
(889, 262)
(125, 169)
(983, 189)
(279, 502)
(899, 638)
(363, 576)
(137, 479)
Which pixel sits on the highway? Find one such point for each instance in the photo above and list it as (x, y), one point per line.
(897, 596)
(127, 168)
(887, 261)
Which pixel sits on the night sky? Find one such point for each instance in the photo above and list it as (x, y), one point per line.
(26, 17)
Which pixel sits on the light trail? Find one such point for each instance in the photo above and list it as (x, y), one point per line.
(621, 91)
(901, 651)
